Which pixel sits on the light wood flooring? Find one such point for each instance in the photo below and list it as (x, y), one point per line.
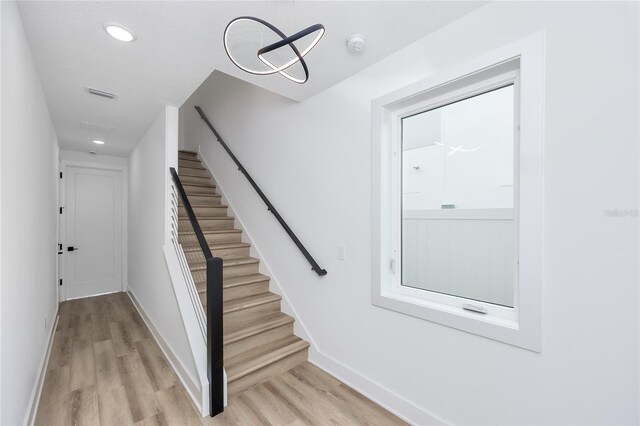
(105, 368)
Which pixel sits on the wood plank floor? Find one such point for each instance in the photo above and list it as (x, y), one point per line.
(105, 368)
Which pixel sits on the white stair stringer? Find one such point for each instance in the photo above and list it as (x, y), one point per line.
(191, 310)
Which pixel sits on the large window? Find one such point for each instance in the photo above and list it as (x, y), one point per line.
(456, 222)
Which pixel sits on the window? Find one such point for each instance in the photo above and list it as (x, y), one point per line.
(456, 223)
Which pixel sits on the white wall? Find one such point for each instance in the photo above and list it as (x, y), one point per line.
(149, 279)
(29, 181)
(313, 160)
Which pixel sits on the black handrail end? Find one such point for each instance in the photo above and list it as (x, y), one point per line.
(320, 272)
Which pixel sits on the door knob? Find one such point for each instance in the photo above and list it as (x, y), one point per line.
(72, 248)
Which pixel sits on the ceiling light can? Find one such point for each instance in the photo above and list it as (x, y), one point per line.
(119, 32)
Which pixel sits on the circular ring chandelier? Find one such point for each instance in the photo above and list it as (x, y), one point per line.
(286, 41)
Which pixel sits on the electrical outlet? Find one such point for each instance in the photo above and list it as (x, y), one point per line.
(341, 252)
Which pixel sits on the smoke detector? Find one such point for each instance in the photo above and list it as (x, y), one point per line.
(356, 43)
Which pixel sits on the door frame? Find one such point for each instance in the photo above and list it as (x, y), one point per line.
(62, 294)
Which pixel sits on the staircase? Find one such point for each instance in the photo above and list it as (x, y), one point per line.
(258, 338)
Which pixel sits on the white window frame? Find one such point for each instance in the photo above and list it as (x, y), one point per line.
(520, 63)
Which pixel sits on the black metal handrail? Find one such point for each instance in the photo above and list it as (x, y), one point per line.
(314, 265)
(215, 360)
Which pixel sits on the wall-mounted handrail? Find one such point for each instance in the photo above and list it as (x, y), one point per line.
(314, 265)
(215, 360)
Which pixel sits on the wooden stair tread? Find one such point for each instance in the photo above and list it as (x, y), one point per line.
(209, 206)
(197, 184)
(201, 205)
(187, 171)
(235, 305)
(255, 359)
(212, 231)
(240, 330)
(226, 263)
(194, 166)
(201, 195)
(184, 151)
(199, 216)
(233, 282)
(213, 218)
(196, 247)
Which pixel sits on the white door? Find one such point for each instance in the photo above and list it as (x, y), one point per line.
(93, 232)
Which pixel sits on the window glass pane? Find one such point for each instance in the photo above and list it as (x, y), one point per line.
(458, 221)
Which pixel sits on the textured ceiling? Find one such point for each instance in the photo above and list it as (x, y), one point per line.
(179, 44)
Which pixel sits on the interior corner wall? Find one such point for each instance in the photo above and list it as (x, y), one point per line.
(313, 160)
(28, 222)
(148, 276)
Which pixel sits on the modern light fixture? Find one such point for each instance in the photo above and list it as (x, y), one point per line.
(98, 142)
(286, 41)
(119, 32)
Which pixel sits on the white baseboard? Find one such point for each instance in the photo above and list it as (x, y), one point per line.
(37, 389)
(401, 407)
(193, 388)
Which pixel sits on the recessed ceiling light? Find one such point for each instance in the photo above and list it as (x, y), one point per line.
(119, 32)
(98, 142)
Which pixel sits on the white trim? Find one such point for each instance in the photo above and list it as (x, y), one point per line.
(188, 313)
(124, 169)
(36, 393)
(393, 402)
(189, 383)
(523, 330)
(93, 295)
(461, 214)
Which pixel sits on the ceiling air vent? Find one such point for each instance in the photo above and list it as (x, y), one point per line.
(101, 93)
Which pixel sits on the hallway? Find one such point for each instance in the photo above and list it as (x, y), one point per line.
(106, 368)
